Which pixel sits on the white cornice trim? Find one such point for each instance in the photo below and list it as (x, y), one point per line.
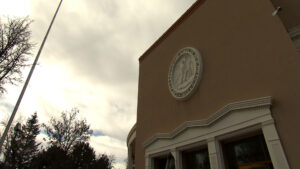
(253, 103)
(295, 31)
(131, 134)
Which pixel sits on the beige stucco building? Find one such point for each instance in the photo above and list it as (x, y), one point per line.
(244, 111)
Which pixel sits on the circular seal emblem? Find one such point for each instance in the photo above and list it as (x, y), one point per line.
(185, 73)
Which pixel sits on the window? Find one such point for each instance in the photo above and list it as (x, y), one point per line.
(196, 159)
(164, 162)
(247, 153)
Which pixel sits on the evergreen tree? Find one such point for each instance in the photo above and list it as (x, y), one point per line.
(14, 149)
(22, 150)
(53, 158)
(22, 147)
(31, 130)
(104, 162)
(83, 156)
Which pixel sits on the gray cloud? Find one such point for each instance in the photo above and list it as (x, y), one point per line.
(104, 39)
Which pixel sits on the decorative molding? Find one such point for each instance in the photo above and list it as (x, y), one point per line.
(234, 120)
(295, 36)
(275, 148)
(260, 102)
(132, 133)
(214, 153)
(185, 73)
(295, 31)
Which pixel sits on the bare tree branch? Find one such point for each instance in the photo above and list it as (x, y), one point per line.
(15, 47)
(67, 131)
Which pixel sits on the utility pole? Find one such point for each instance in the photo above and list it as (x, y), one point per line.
(4, 135)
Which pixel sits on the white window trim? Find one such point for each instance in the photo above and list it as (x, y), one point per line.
(295, 32)
(232, 120)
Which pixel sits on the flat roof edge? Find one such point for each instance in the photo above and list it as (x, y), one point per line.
(132, 130)
(172, 28)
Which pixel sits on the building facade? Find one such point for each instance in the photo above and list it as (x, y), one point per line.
(220, 89)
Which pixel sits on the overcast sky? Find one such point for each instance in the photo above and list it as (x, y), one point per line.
(90, 61)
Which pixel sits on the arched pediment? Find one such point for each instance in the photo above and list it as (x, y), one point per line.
(225, 111)
(231, 121)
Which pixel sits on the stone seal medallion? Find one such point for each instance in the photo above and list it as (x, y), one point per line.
(185, 73)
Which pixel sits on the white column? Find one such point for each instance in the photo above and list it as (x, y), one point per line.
(274, 145)
(176, 154)
(129, 160)
(148, 162)
(214, 153)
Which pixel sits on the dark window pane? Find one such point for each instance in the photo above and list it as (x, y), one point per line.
(170, 162)
(160, 163)
(196, 159)
(164, 162)
(249, 153)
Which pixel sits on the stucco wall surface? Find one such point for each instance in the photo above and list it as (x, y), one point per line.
(290, 13)
(247, 54)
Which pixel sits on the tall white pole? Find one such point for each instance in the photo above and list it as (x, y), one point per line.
(4, 135)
